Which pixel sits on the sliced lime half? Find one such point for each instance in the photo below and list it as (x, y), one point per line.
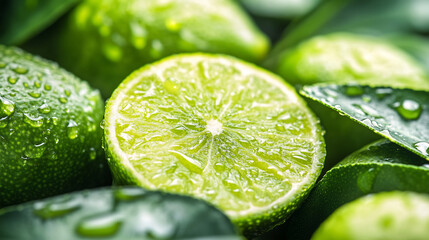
(219, 129)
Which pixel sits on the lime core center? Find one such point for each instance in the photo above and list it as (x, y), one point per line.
(214, 126)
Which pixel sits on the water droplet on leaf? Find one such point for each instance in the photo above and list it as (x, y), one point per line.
(423, 147)
(48, 210)
(408, 109)
(100, 226)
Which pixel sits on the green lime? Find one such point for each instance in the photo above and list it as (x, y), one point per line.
(389, 215)
(378, 167)
(118, 213)
(348, 58)
(103, 41)
(50, 139)
(351, 58)
(219, 129)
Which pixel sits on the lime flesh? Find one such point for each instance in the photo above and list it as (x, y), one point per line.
(219, 129)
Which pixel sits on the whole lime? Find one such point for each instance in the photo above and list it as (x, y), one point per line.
(388, 215)
(103, 41)
(50, 139)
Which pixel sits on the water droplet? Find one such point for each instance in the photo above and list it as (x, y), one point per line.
(92, 153)
(408, 109)
(100, 226)
(72, 130)
(44, 108)
(35, 151)
(12, 80)
(55, 120)
(219, 167)
(366, 180)
(35, 94)
(20, 70)
(280, 127)
(63, 99)
(112, 52)
(3, 122)
(48, 210)
(7, 106)
(171, 87)
(67, 92)
(34, 121)
(47, 87)
(383, 92)
(37, 84)
(423, 147)
(127, 194)
(354, 90)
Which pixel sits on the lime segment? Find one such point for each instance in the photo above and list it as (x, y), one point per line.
(216, 128)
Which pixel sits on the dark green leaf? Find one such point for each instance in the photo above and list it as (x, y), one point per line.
(381, 166)
(22, 19)
(116, 213)
(401, 115)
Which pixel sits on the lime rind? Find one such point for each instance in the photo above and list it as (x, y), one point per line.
(388, 215)
(282, 178)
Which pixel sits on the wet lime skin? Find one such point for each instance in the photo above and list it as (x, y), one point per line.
(50, 139)
(104, 41)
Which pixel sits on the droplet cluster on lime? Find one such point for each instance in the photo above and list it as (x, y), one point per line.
(219, 129)
(50, 141)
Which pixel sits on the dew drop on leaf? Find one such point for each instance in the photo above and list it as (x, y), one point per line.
(408, 109)
(100, 226)
(423, 147)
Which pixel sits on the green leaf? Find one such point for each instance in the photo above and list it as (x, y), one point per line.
(400, 115)
(116, 213)
(22, 19)
(378, 167)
